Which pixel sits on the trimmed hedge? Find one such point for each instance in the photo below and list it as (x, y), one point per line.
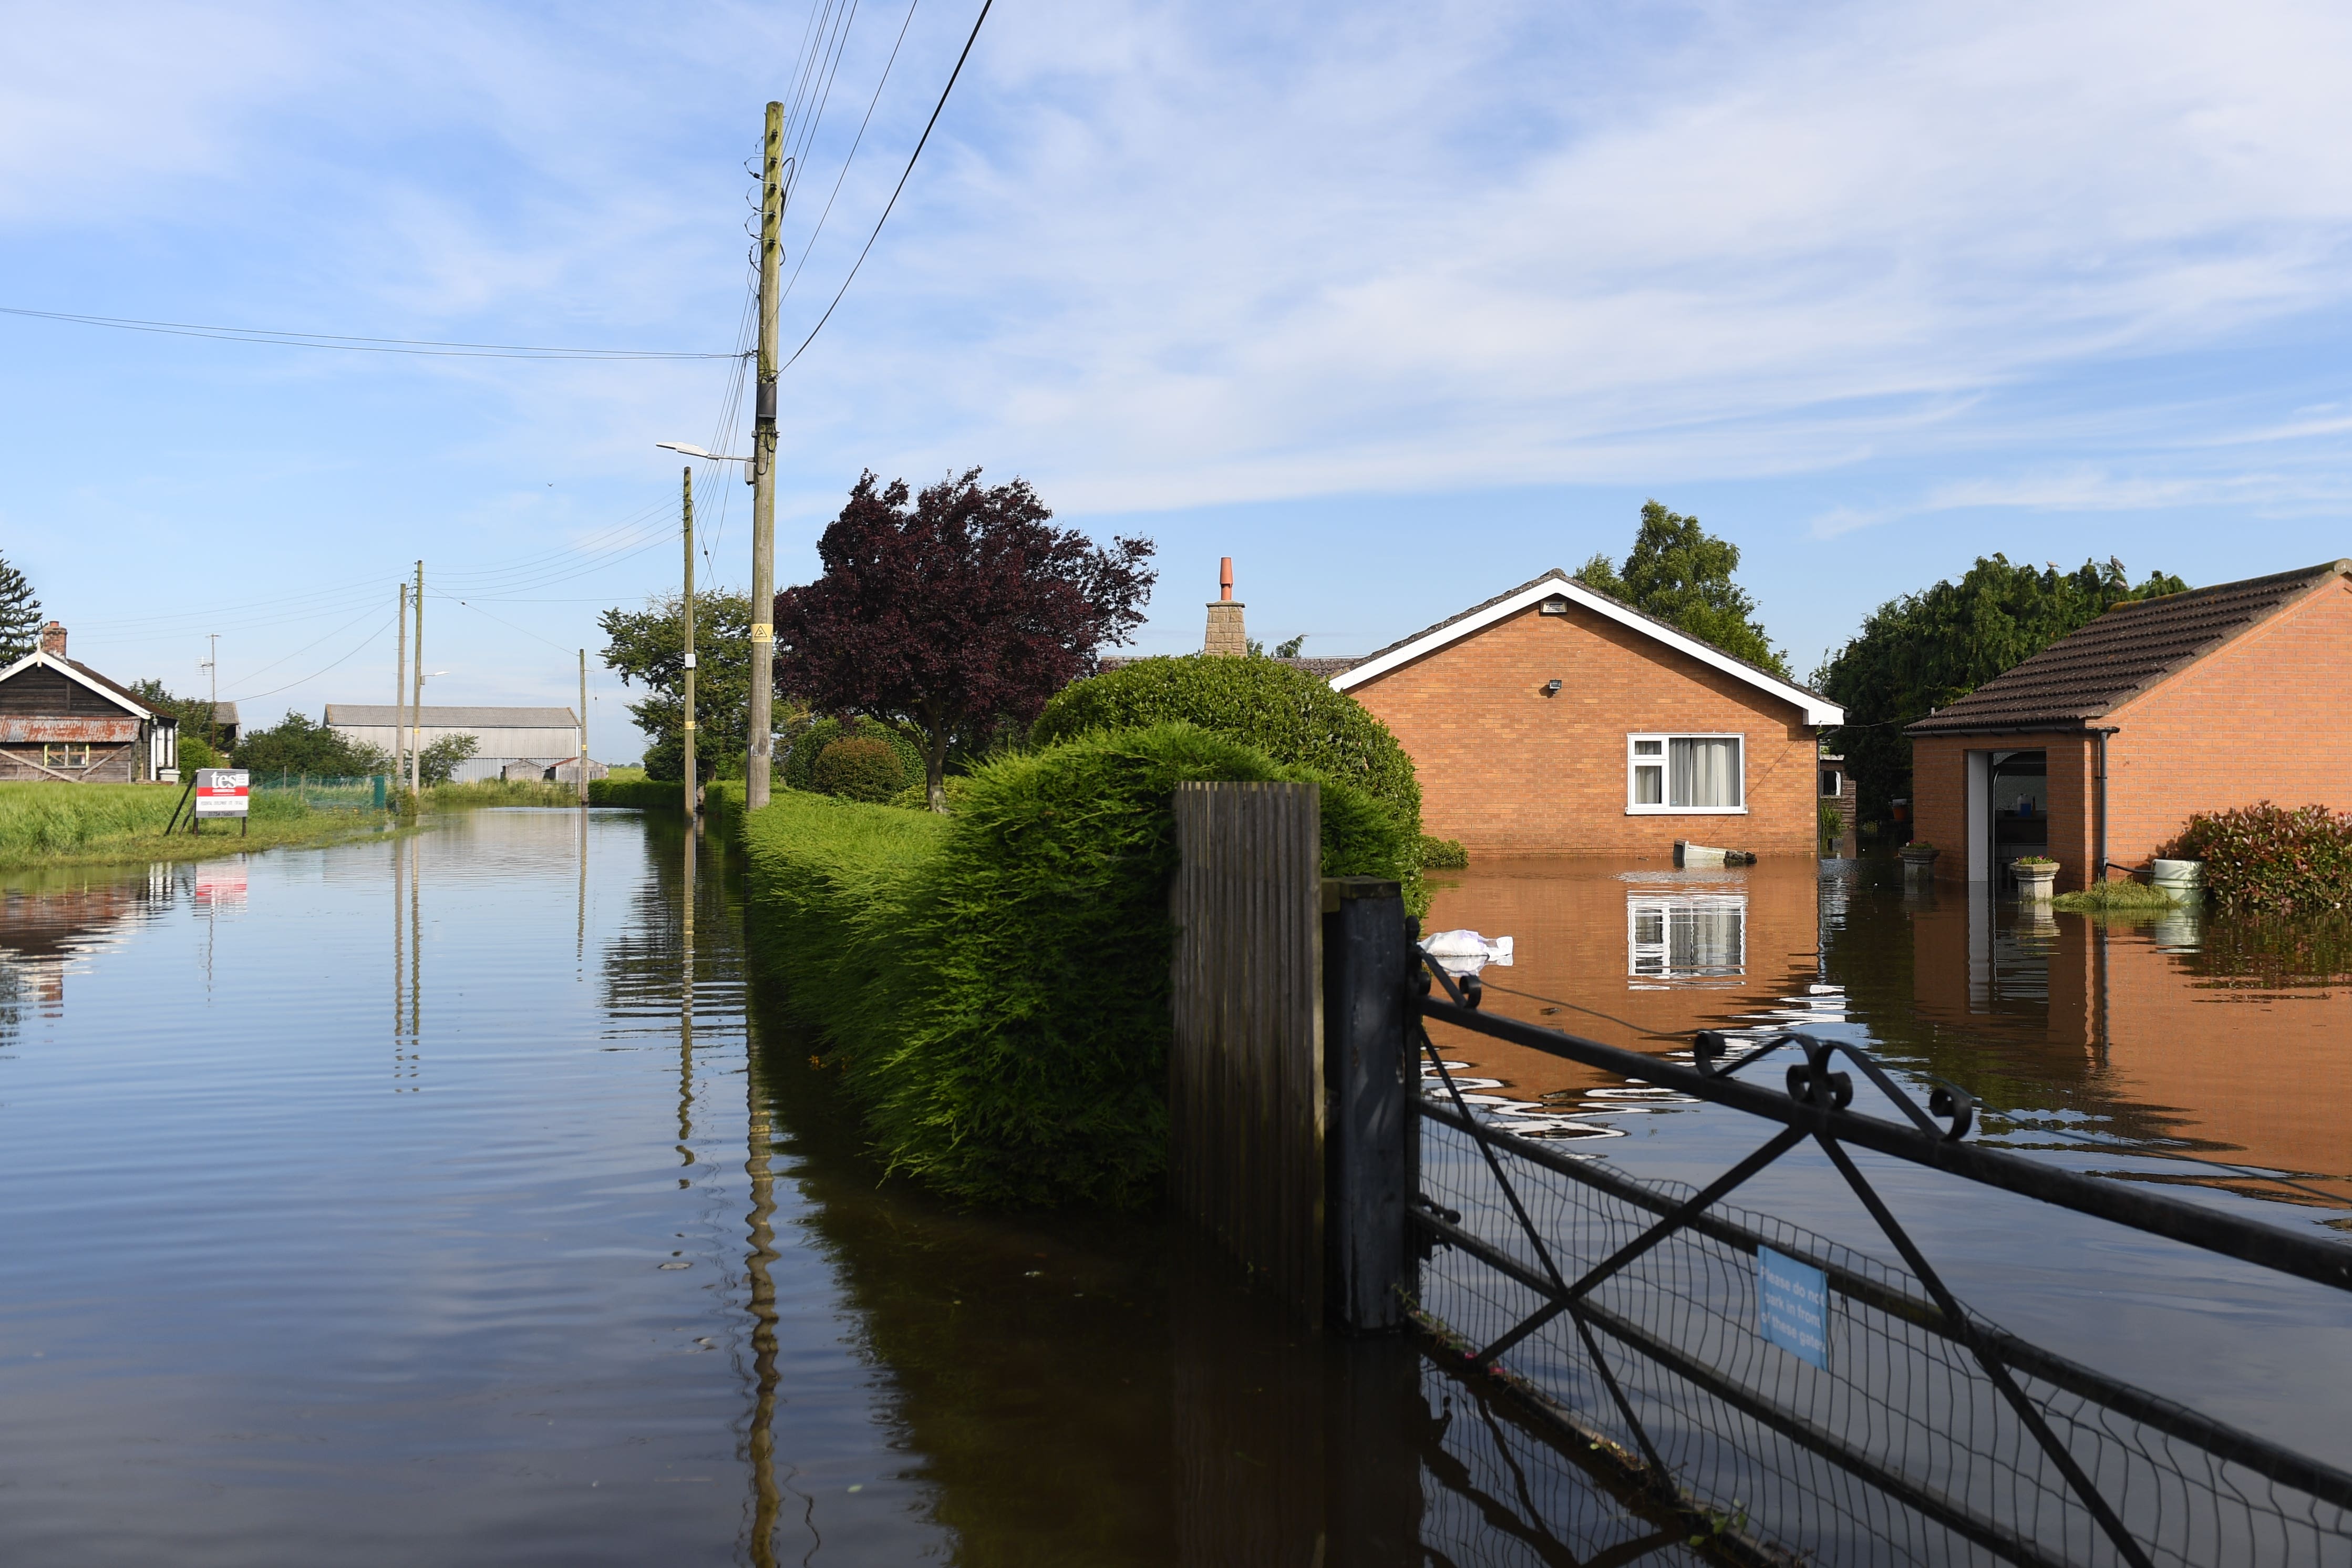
(1443, 853)
(993, 984)
(859, 767)
(1284, 712)
(797, 768)
(2269, 857)
(644, 794)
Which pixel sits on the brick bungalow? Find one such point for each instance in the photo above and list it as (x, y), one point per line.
(63, 722)
(1554, 720)
(2098, 749)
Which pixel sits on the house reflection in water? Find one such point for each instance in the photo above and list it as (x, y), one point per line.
(2193, 1033)
(1637, 955)
(1692, 939)
(2170, 1037)
(54, 923)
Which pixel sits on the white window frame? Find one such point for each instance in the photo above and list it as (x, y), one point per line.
(62, 755)
(1647, 961)
(1665, 740)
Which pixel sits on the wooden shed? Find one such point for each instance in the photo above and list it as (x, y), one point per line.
(62, 721)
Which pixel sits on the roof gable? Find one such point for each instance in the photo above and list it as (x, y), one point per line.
(83, 676)
(2134, 648)
(1557, 583)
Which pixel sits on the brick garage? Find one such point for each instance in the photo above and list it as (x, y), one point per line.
(2214, 698)
(1511, 767)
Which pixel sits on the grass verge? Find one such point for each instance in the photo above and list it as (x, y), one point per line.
(63, 825)
(993, 984)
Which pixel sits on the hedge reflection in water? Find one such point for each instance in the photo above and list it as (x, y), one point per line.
(1096, 1389)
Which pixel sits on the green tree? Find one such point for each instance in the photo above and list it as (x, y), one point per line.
(438, 760)
(1930, 649)
(1681, 574)
(296, 745)
(194, 713)
(648, 648)
(20, 615)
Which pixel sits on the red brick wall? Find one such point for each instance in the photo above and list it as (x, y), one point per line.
(1939, 799)
(2260, 719)
(1509, 771)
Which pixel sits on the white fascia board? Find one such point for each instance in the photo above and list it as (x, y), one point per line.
(78, 678)
(1816, 710)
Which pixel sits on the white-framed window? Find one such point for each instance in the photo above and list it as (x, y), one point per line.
(1685, 774)
(65, 754)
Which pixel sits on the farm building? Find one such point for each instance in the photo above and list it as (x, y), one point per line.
(501, 735)
(63, 722)
(2099, 748)
(1554, 720)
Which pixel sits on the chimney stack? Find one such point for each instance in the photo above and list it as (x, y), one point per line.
(53, 640)
(1225, 634)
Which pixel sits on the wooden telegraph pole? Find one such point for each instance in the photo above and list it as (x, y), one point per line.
(584, 726)
(686, 612)
(400, 690)
(763, 468)
(416, 701)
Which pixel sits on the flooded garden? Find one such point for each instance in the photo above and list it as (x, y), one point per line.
(453, 1197)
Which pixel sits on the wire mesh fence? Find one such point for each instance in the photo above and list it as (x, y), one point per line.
(324, 792)
(1901, 1446)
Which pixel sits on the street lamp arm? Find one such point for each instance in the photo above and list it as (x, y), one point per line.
(682, 447)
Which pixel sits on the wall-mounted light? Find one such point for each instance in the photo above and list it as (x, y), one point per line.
(1555, 606)
(1551, 688)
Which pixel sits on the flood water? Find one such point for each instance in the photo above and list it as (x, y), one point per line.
(447, 1200)
(2212, 1056)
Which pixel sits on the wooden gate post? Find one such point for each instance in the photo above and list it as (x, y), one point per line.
(1371, 1076)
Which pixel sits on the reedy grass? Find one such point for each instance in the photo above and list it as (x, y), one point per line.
(2115, 898)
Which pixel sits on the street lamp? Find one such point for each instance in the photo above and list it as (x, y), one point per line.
(682, 448)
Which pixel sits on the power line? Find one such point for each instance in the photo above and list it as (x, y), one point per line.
(428, 346)
(382, 629)
(858, 141)
(893, 202)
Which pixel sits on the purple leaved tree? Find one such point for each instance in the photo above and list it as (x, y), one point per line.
(947, 614)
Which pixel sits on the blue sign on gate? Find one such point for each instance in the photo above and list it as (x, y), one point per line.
(1792, 1306)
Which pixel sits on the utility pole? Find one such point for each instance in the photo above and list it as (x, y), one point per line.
(584, 726)
(400, 690)
(685, 611)
(212, 715)
(763, 468)
(416, 702)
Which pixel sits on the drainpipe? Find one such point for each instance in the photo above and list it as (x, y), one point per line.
(2101, 873)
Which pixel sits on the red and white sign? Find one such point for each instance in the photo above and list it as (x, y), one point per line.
(222, 792)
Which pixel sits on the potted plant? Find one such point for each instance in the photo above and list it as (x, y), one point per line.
(1919, 856)
(2037, 876)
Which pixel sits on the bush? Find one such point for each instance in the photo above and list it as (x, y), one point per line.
(1286, 713)
(1443, 853)
(2268, 856)
(993, 984)
(805, 747)
(195, 753)
(859, 767)
(1833, 822)
(296, 745)
(642, 794)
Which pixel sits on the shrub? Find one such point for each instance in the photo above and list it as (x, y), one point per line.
(859, 767)
(1833, 822)
(1443, 853)
(2269, 857)
(1286, 713)
(804, 748)
(196, 752)
(993, 984)
(644, 793)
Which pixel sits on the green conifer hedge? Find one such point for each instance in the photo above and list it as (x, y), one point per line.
(1281, 710)
(993, 984)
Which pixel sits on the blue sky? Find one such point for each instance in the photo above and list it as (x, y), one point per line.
(1397, 305)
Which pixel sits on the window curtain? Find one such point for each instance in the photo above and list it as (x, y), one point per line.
(1703, 772)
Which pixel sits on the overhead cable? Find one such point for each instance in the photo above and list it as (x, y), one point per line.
(427, 346)
(920, 145)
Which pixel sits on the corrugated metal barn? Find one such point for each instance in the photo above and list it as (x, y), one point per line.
(501, 735)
